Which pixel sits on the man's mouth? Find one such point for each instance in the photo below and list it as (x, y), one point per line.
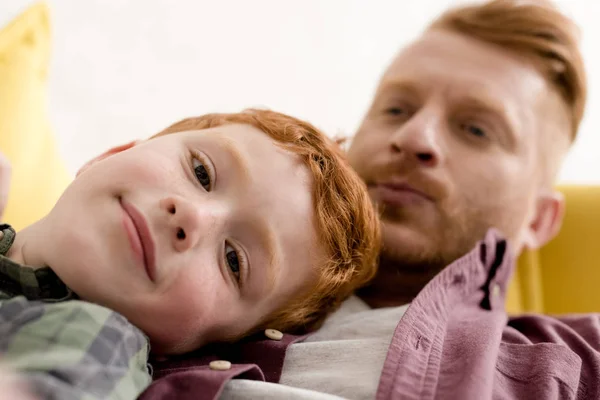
(397, 194)
(140, 237)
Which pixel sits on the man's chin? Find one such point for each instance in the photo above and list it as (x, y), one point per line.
(410, 246)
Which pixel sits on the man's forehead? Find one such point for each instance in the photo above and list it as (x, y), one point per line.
(464, 68)
(458, 62)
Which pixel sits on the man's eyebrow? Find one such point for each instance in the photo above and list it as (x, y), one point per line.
(400, 85)
(486, 103)
(497, 109)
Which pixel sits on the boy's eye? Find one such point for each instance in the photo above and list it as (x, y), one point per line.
(201, 174)
(233, 261)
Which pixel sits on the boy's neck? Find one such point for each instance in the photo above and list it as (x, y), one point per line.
(24, 250)
(15, 253)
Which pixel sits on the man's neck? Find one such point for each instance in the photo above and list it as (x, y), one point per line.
(396, 284)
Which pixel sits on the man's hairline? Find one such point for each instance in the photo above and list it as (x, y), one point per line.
(548, 180)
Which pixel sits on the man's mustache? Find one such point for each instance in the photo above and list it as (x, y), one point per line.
(414, 179)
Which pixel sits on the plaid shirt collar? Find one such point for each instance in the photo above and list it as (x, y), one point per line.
(21, 280)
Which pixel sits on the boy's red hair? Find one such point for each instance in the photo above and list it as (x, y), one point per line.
(346, 221)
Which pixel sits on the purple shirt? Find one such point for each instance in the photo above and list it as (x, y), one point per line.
(455, 341)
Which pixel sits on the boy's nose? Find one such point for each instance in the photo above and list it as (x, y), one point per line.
(189, 222)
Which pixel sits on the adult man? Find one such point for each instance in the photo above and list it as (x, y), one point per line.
(466, 133)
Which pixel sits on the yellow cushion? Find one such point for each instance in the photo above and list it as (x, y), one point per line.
(564, 275)
(39, 175)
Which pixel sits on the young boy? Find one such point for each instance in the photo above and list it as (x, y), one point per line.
(216, 228)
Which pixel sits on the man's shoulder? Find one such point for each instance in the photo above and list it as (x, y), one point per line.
(565, 349)
(563, 329)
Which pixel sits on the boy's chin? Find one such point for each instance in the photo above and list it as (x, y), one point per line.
(163, 346)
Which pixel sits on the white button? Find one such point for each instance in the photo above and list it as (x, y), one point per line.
(220, 365)
(496, 290)
(273, 334)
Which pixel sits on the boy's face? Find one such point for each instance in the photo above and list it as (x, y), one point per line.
(194, 236)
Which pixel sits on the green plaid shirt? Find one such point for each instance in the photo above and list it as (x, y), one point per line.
(65, 348)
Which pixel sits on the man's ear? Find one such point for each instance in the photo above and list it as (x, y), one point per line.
(547, 219)
(106, 154)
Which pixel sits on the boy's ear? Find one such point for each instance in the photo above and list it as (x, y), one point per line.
(106, 154)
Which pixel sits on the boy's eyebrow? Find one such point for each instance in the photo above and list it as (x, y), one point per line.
(265, 235)
(267, 240)
(238, 159)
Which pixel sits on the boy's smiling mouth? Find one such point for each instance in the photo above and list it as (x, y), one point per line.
(140, 237)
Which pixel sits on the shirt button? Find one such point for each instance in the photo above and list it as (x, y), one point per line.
(219, 365)
(459, 279)
(496, 290)
(273, 334)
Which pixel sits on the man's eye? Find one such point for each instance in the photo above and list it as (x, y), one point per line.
(395, 111)
(474, 130)
(201, 174)
(233, 260)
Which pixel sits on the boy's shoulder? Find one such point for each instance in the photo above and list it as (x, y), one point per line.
(73, 349)
(64, 347)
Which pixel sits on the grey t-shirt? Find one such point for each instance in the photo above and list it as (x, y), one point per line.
(344, 359)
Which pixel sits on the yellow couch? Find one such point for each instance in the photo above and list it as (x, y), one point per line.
(39, 174)
(563, 276)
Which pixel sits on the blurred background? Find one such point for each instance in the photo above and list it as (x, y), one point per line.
(124, 69)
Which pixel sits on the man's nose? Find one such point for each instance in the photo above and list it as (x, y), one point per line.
(189, 221)
(418, 141)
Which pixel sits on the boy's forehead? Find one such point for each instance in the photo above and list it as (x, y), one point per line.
(244, 141)
(228, 129)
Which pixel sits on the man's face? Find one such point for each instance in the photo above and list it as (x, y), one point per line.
(193, 236)
(450, 148)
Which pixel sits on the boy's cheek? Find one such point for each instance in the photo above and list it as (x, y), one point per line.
(14, 387)
(178, 325)
(196, 306)
(112, 151)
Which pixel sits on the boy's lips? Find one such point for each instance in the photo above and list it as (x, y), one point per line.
(140, 237)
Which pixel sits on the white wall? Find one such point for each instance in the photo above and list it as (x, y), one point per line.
(124, 69)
